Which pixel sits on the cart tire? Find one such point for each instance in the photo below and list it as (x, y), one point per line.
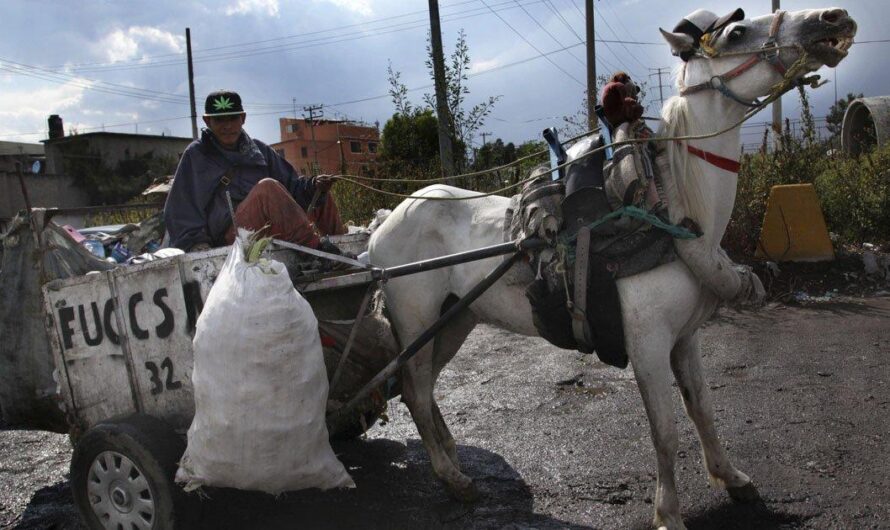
(122, 475)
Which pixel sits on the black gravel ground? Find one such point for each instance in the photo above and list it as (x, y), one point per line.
(555, 439)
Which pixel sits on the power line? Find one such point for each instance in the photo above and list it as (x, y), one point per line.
(609, 27)
(27, 69)
(658, 72)
(202, 56)
(521, 36)
(599, 56)
(621, 24)
(286, 106)
(547, 31)
(602, 61)
(77, 66)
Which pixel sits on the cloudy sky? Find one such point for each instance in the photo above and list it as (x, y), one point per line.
(120, 65)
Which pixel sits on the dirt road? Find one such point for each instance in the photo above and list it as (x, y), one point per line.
(555, 439)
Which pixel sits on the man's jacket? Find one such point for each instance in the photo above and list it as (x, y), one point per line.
(196, 210)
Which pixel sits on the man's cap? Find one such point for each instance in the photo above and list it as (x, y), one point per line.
(702, 21)
(222, 103)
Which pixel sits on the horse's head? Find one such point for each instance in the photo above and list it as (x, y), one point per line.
(743, 59)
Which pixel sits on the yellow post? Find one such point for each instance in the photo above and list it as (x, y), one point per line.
(794, 227)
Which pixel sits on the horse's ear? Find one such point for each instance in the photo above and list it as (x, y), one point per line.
(680, 42)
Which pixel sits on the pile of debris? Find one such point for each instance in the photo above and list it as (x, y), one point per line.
(858, 270)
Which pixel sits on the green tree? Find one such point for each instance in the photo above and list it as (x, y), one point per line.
(835, 119)
(496, 153)
(464, 121)
(411, 137)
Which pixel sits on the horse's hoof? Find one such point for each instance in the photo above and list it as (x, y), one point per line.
(746, 493)
(466, 494)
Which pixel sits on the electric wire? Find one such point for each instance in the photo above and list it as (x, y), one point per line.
(535, 20)
(627, 32)
(615, 34)
(201, 57)
(601, 60)
(521, 36)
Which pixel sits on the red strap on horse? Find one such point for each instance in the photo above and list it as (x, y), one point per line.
(724, 163)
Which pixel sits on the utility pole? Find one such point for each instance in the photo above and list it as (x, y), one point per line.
(188, 51)
(446, 152)
(777, 105)
(591, 67)
(312, 109)
(484, 136)
(659, 71)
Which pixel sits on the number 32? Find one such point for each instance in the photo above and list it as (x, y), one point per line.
(169, 383)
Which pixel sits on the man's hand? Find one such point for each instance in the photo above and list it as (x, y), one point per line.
(323, 183)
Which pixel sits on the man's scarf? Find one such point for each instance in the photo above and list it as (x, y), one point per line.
(246, 153)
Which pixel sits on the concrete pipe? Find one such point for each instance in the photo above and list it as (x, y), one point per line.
(866, 124)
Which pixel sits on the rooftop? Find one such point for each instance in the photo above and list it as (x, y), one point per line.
(114, 135)
(20, 148)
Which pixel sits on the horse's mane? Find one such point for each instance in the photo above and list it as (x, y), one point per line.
(684, 189)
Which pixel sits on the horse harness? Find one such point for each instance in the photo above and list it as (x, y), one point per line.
(606, 220)
(768, 53)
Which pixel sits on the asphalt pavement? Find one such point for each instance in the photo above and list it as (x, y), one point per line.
(555, 439)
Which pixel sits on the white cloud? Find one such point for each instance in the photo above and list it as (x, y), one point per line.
(41, 102)
(362, 7)
(481, 66)
(250, 7)
(24, 109)
(121, 45)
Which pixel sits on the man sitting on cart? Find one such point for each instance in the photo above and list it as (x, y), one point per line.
(267, 193)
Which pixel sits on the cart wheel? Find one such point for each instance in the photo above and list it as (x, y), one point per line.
(122, 475)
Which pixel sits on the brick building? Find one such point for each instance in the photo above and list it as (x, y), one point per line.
(341, 146)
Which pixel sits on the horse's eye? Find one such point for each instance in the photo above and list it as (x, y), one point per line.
(736, 33)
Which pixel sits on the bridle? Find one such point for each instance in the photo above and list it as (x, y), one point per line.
(769, 53)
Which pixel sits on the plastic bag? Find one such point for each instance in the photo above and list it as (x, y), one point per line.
(260, 387)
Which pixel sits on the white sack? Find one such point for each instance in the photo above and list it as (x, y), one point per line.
(260, 387)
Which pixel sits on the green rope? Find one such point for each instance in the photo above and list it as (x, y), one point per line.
(677, 231)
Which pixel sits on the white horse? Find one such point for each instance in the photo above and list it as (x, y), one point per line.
(662, 308)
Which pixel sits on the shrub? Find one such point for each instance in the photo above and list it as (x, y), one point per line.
(855, 196)
(854, 191)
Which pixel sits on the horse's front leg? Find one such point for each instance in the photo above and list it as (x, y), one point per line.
(650, 359)
(686, 364)
(417, 393)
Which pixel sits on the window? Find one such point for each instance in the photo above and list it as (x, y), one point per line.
(372, 147)
(292, 128)
(355, 147)
(304, 152)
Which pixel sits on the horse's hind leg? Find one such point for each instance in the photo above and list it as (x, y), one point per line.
(447, 343)
(652, 370)
(417, 393)
(686, 364)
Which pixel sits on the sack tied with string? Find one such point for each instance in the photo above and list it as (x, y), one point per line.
(260, 385)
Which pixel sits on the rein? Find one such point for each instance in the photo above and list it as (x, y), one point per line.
(768, 53)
